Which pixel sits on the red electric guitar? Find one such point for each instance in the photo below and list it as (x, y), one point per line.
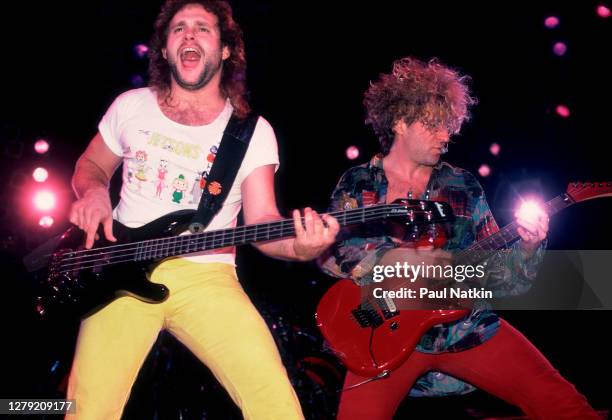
(371, 337)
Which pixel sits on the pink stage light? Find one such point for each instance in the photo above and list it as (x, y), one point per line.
(352, 152)
(530, 210)
(141, 50)
(40, 174)
(603, 11)
(495, 149)
(46, 221)
(44, 200)
(551, 22)
(559, 48)
(484, 170)
(41, 146)
(563, 111)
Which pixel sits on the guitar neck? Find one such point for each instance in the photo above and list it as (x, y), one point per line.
(241, 235)
(507, 235)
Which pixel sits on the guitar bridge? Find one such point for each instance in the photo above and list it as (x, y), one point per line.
(367, 317)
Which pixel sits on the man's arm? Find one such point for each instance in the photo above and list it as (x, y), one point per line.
(90, 180)
(259, 205)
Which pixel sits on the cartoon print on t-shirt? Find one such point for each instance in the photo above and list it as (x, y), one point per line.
(137, 169)
(141, 167)
(160, 183)
(180, 186)
(196, 190)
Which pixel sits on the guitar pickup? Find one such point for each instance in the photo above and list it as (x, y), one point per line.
(367, 317)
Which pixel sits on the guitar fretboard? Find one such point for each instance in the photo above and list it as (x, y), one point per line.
(153, 249)
(505, 236)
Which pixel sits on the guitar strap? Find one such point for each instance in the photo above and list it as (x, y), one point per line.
(233, 147)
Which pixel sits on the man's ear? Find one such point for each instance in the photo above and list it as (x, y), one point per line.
(164, 53)
(225, 53)
(399, 127)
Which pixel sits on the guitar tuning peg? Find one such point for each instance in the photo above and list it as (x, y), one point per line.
(433, 233)
(409, 195)
(411, 216)
(415, 233)
(427, 194)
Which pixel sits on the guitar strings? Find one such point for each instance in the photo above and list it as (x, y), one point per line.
(278, 222)
(187, 241)
(180, 243)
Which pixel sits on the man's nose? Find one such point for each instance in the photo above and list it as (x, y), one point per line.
(189, 33)
(443, 136)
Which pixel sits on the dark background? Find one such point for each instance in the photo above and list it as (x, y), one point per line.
(309, 63)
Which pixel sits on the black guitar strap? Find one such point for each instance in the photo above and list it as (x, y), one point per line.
(233, 147)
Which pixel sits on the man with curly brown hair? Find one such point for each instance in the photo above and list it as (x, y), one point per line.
(413, 111)
(197, 69)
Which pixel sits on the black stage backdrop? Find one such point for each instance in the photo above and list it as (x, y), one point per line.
(308, 65)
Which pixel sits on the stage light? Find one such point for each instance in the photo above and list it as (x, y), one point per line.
(495, 149)
(563, 111)
(484, 170)
(141, 50)
(137, 81)
(603, 11)
(44, 200)
(352, 152)
(530, 210)
(559, 48)
(41, 146)
(40, 174)
(46, 221)
(551, 22)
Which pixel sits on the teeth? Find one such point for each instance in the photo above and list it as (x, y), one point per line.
(189, 49)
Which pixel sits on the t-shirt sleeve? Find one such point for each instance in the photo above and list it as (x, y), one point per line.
(109, 126)
(263, 149)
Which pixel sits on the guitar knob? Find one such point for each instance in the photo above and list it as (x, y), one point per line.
(394, 326)
(411, 215)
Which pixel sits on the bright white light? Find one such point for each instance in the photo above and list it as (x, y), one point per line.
(46, 221)
(44, 200)
(530, 211)
(40, 174)
(41, 146)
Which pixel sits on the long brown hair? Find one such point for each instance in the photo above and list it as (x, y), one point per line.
(233, 79)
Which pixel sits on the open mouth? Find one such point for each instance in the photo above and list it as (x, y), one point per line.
(190, 56)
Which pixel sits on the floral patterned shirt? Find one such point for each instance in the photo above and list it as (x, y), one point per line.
(509, 273)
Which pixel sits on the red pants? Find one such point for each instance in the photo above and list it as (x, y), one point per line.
(507, 366)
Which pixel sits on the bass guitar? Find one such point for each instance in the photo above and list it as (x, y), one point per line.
(79, 282)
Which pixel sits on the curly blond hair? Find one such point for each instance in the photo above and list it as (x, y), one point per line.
(417, 91)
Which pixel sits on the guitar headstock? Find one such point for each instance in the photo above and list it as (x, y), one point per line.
(420, 211)
(581, 191)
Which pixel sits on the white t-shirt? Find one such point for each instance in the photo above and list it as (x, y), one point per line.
(164, 162)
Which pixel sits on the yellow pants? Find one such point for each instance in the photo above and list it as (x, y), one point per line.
(207, 311)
